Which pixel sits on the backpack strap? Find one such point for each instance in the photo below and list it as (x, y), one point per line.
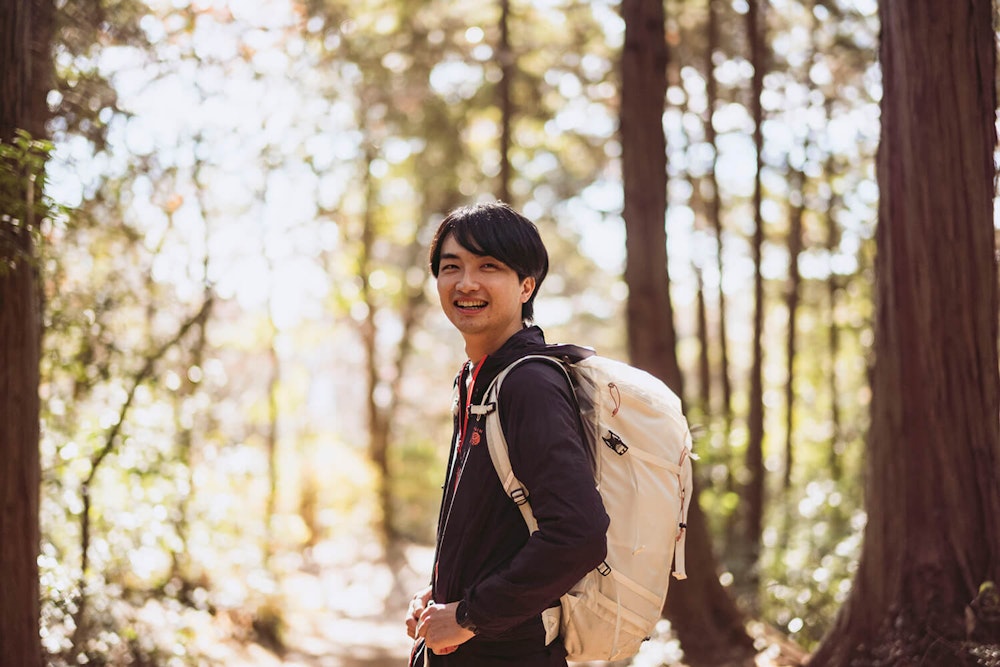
(496, 441)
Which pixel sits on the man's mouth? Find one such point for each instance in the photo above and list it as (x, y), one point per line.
(470, 304)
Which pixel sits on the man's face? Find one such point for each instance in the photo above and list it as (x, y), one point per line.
(481, 296)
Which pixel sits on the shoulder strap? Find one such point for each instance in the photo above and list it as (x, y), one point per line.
(496, 442)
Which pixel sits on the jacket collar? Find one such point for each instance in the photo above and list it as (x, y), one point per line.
(529, 340)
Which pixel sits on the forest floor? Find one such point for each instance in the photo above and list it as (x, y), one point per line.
(344, 607)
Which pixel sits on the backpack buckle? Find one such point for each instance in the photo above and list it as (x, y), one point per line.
(519, 496)
(615, 443)
(477, 410)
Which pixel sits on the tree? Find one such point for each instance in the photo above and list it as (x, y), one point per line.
(753, 494)
(793, 296)
(715, 208)
(925, 591)
(506, 57)
(707, 622)
(644, 175)
(25, 75)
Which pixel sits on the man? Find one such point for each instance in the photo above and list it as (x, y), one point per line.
(491, 581)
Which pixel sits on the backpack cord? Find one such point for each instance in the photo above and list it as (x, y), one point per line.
(684, 478)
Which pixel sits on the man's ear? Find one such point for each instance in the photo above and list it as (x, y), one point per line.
(527, 288)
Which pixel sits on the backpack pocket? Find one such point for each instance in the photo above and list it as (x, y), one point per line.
(596, 626)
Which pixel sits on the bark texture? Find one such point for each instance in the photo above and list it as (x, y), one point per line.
(651, 337)
(25, 75)
(705, 618)
(933, 497)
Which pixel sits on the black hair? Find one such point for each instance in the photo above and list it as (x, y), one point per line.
(497, 230)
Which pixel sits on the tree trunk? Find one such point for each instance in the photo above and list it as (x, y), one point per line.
(753, 493)
(704, 365)
(715, 212)
(271, 438)
(651, 337)
(715, 218)
(506, 58)
(833, 338)
(25, 77)
(932, 541)
(792, 304)
(378, 420)
(707, 622)
(19, 459)
(797, 181)
(187, 435)
(186, 438)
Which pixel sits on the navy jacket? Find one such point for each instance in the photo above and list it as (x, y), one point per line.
(484, 554)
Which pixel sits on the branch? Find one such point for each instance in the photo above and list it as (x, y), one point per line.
(139, 378)
(109, 445)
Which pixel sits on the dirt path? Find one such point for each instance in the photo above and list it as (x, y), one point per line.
(349, 608)
(344, 607)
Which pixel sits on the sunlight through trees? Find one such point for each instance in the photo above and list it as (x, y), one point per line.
(218, 223)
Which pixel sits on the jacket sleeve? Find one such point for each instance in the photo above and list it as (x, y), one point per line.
(542, 426)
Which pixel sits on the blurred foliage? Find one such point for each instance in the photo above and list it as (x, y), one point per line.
(23, 198)
(209, 294)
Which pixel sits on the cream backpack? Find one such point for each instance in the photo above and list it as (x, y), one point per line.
(641, 448)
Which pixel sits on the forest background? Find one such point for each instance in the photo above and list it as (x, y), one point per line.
(245, 381)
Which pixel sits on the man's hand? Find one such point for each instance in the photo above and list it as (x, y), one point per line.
(417, 606)
(440, 630)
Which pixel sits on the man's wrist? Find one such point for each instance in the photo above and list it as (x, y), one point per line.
(462, 617)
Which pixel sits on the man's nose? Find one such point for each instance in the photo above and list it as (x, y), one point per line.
(467, 282)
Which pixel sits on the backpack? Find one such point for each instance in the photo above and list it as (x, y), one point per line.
(641, 448)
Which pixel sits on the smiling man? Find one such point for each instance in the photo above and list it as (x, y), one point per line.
(491, 580)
